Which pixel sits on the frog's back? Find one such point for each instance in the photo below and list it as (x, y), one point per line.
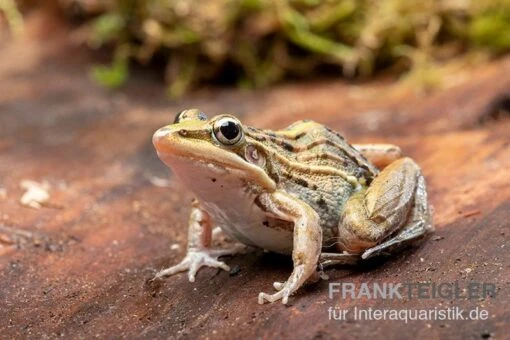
(318, 145)
(317, 165)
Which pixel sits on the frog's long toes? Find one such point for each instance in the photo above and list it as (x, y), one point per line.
(368, 254)
(261, 298)
(171, 270)
(192, 275)
(286, 292)
(210, 262)
(278, 285)
(271, 297)
(193, 269)
(266, 297)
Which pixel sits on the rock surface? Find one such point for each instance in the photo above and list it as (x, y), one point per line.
(78, 266)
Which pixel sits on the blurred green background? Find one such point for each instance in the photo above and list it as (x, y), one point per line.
(254, 43)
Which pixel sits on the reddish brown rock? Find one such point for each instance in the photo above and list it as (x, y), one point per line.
(77, 267)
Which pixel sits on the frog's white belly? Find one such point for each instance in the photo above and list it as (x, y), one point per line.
(231, 206)
(249, 228)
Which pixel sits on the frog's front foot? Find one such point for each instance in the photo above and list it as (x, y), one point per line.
(196, 259)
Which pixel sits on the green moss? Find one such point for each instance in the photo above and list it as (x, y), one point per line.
(114, 75)
(492, 31)
(259, 42)
(106, 28)
(12, 15)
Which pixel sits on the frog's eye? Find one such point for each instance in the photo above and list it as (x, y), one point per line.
(228, 131)
(192, 114)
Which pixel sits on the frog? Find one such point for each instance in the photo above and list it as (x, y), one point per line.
(302, 191)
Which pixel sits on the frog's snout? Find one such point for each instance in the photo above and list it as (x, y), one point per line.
(160, 134)
(162, 138)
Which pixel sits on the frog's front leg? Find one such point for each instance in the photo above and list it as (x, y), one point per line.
(396, 201)
(307, 241)
(199, 253)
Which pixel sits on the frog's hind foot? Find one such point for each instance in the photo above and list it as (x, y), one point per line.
(333, 259)
(196, 259)
(406, 236)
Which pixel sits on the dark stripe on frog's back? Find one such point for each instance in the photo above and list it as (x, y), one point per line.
(349, 159)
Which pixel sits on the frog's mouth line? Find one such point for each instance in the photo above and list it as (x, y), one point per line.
(169, 145)
(173, 160)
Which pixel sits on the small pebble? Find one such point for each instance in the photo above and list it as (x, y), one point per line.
(36, 194)
(486, 335)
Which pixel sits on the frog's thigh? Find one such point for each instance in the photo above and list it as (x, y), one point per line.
(371, 214)
(379, 154)
(418, 224)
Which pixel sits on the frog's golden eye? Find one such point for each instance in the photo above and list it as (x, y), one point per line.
(192, 114)
(227, 131)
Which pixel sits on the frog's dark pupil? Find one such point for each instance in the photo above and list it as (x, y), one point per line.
(230, 130)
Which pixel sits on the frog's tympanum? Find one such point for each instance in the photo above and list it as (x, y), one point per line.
(303, 191)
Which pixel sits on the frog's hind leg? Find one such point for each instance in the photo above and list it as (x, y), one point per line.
(199, 253)
(394, 203)
(419, 224)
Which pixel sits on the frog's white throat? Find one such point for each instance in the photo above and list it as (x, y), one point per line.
(210, 182)
(230, 200)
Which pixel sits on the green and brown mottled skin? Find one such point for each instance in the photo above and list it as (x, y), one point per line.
(302, 154)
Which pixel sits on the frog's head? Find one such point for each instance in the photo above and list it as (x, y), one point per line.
(196, 147)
